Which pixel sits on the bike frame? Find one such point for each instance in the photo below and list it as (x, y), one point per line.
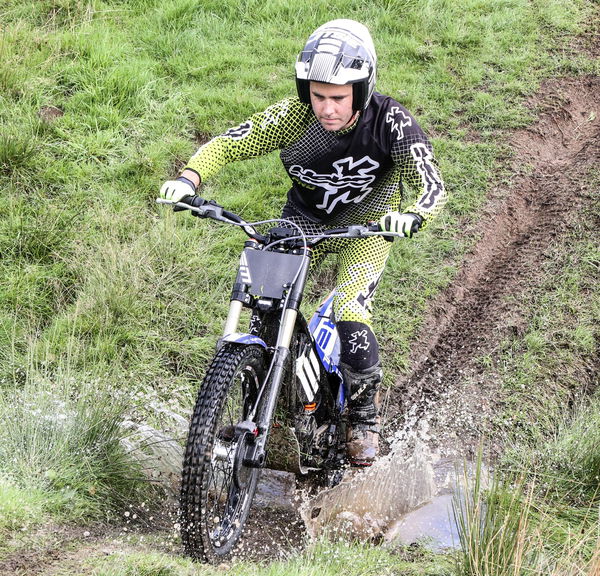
(272, 277)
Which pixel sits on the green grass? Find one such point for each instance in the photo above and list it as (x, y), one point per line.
(538, 514)
(99, 284)
(494, 528)
(567, 465)
(63, 438)
(323, 559)
(21, 508)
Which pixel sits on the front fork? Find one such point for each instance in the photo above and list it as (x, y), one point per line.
(254, 447)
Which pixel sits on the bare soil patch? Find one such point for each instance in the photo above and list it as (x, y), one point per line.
(548, 189)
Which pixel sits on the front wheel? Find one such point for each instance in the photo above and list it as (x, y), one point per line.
(216, 487)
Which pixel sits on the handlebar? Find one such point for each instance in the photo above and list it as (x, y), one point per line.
(210, 209)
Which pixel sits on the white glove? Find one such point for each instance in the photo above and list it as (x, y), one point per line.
(406, 223)
(175, 190)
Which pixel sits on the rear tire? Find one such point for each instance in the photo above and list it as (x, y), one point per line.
(216, 488)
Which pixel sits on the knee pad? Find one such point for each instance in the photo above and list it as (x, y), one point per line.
(359, 347)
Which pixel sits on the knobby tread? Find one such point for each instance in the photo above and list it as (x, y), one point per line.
(203, 429)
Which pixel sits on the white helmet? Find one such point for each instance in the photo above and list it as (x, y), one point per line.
(339, 52)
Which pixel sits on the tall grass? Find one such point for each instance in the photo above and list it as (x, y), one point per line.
(65, 440)
(539, 514)
(506, 529)
(494, 527)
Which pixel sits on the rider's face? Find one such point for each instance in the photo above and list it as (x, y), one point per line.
(332, 105)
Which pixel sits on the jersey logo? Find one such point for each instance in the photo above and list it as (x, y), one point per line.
(240, 131)
(398, 127)
(273, 113)
(350, 182)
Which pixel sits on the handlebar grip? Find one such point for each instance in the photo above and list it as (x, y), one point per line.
(187, 202)
(196, 201)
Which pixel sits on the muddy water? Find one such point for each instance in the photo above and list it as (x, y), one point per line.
(369, 501)
(405, 497)
(431, 525)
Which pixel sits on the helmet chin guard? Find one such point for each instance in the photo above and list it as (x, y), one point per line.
(339, 52)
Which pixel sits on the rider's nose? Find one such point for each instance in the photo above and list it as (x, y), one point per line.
(328, 109)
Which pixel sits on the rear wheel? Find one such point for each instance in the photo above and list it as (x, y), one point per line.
(216, 487)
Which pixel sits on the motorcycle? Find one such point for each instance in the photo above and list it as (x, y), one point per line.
(273, 396)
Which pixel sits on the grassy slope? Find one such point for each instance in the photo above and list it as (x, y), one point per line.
(99, 285)
(98, 278)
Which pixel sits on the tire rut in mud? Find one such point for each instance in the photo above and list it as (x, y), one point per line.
(549, 187)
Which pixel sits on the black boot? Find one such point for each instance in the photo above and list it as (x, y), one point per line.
(362, 433)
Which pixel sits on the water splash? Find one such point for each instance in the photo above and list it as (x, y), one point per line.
(369, 501)
(405, 497)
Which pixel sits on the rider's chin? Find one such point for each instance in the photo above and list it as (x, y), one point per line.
(330, 123)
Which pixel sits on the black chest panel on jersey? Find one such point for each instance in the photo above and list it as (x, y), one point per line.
(331, 171)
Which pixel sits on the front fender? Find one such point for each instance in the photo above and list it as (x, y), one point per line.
(241, 338)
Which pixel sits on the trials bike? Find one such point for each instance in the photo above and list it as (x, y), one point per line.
(278, 382)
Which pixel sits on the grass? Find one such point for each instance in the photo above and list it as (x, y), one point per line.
(20, 508)
(324, 558)
(65, 441)
(101, 290)
(494, 528)
(567, 465)
(538, 514)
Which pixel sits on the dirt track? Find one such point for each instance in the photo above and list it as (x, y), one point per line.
(548, 190)
(549, 187)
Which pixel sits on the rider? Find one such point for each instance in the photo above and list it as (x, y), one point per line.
(348, 151)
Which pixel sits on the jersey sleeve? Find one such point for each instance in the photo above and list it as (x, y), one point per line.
(274, 128)
(413, 154)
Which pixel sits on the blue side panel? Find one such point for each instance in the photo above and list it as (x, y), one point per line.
(341, 398)
(326, 336)
(243, 339)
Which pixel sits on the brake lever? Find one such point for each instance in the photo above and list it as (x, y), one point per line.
(372, 228)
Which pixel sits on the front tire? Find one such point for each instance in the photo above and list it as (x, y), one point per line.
(216, 488)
